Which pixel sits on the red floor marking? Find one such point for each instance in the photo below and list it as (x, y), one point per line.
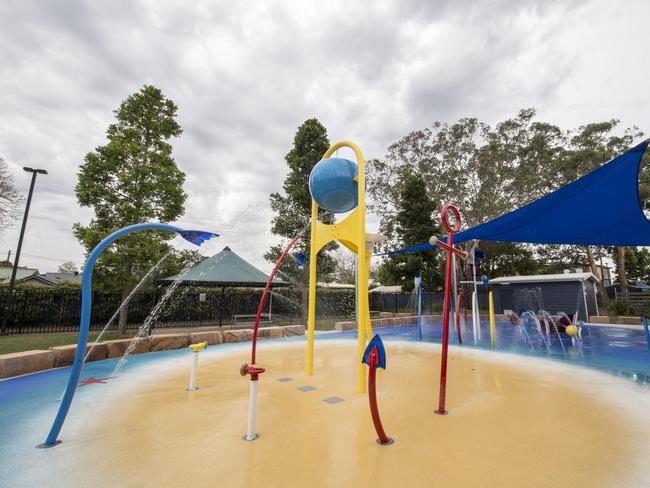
(91, 380)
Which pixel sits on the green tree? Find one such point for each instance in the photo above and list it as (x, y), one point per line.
(132, 179)
(414, 224)
(293, 210)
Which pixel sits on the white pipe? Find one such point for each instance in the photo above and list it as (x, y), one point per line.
(252, 408)
(195, 365)
(476, 326)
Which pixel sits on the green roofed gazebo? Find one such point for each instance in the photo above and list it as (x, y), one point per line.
(224, 269)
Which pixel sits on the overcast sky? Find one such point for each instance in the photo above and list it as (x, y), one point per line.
(246, 74)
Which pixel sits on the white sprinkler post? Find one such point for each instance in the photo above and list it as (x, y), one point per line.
(476, 319)
(255, 372)
(195, 364)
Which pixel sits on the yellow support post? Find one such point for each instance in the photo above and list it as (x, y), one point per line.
(491, 306)
(311, 311)
(351, 233)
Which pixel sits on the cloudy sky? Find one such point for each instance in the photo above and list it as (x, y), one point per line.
(246, 74)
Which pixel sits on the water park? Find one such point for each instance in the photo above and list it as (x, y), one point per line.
(372, 402)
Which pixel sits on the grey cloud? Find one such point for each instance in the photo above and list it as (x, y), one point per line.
(246, 75)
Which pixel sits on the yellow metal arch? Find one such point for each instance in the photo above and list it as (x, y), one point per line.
(351, 233)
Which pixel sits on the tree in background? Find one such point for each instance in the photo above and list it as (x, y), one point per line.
(68, 267)
(10, 199)
(132, 179)
(293, 210)
(488, 171)
(413, 225)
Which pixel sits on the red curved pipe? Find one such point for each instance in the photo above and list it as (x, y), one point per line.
(372, 398)
(266, 291)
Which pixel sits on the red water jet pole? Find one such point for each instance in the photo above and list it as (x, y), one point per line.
(266, 291)
(449, 247)
(375, 357)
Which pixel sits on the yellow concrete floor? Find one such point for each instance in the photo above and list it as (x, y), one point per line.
(511, 423)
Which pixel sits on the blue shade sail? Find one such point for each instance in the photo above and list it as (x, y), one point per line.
(601, 208)
(197, 237)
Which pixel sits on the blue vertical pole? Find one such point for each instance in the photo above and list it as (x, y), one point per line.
(82, 341)
(647, 332)
(418, 284)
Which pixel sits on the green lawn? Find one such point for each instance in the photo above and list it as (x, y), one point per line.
(27, 342)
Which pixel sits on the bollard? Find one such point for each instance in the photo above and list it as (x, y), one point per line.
(491, 305)
(195, 364)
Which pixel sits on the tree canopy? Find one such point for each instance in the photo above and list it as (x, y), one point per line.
(10, 199)
(487, 171)
(293, 209)
(132, 179)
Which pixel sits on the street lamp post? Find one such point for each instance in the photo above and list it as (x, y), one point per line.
(12, 281)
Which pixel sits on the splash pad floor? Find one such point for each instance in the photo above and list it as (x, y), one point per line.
(514, 421)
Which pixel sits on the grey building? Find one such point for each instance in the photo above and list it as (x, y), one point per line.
(567, 292)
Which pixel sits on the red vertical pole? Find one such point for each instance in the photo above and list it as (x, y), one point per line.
(445, 329)
(449, 247)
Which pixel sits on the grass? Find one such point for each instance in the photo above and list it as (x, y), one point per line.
(27, 342)
(45, 340)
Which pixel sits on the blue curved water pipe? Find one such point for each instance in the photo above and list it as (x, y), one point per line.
(193, 236)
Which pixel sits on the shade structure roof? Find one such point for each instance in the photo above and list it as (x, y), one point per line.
(225, 268)
(600, 208)
(547, 278)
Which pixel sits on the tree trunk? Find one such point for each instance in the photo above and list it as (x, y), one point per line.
(600, 286)
(126, 289)
(620, 269)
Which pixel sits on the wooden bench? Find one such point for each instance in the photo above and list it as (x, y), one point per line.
(251, 317)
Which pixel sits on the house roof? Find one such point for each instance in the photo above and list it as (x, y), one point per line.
(21, 274)
(225, 268)
(387, 289)
(505, 280)
(63, 277)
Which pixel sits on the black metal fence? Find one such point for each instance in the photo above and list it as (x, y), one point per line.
(59, 310)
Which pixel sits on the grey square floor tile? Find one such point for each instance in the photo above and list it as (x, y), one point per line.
(306, 388)
(333, 399)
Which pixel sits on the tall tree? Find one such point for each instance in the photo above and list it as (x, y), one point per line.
(414, 224)
(10, 199)
(293, 210)
(132, 179)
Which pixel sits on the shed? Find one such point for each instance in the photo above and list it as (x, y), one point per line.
(566, 292)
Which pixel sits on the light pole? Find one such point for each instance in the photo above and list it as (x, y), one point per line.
(12, 281)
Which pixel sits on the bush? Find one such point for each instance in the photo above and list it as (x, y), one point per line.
(621, 306)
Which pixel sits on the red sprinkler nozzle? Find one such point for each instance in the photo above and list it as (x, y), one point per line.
(254, 371)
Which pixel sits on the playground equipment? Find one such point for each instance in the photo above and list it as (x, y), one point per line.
(418, 287)
(375, 357)
(451, 250)
(339, 185)
(252, 369)
(491, 309)
(194, 236)
(195, 363)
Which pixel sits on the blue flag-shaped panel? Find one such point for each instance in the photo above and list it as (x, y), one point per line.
(375, 342)
(197, 237)
(601, 208)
